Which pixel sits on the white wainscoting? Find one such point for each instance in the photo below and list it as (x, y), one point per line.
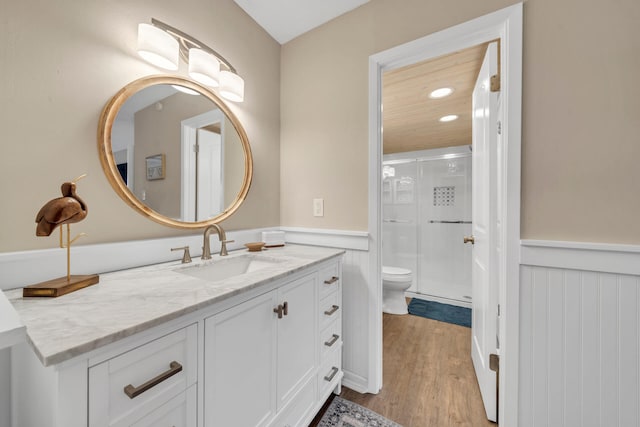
(357, 296)
(579, 335)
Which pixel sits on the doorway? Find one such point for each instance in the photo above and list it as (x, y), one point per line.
(505, 25)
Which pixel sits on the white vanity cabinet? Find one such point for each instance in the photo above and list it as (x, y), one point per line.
(261, 351)
(265, 352)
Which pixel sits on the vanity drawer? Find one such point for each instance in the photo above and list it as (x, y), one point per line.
(329, 310)
(178, 412)
(330, 373)
(329, 280)
(135, 383)
(330, 338)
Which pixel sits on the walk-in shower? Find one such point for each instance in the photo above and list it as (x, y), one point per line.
(426, 198)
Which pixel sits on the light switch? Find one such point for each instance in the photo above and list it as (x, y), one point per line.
(318, 207)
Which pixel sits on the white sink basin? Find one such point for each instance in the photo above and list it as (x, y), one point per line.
(215, 271)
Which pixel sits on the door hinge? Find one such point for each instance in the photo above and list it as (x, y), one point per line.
(495, 83)
(499, 127)
(196, 148)
(494, 362)
(498, 310)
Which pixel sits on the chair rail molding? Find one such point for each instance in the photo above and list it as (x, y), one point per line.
(602, 257)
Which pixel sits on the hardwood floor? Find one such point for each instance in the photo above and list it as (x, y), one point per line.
(428, 376)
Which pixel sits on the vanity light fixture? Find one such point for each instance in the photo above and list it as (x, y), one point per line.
(441, 92)
(448, 118)
(161, 44)
(157, 47)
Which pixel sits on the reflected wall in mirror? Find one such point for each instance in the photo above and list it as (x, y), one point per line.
(207, 165)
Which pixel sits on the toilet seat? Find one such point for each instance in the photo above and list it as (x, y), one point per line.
(396, 274)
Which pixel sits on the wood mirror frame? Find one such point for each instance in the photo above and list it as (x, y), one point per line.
(109, 166)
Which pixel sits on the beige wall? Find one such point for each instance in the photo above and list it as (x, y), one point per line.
(158, 131)
(61, 61)
(580, 113)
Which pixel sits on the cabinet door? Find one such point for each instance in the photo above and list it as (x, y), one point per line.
(178, 412)
(240, 364)
(297, 337)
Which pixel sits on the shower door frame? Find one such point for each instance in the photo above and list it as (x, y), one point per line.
(506, 25)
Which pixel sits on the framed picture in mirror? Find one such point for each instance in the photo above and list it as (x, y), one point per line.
(155, 167)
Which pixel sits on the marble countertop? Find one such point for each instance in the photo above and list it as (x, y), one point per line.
(12, 331)
(129, 301)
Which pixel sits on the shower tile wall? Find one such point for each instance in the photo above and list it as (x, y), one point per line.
(399, 214)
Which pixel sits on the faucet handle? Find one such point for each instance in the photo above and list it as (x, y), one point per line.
(223, 247)
(186, 257)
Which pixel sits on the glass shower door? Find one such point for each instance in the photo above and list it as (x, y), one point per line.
(444, 206)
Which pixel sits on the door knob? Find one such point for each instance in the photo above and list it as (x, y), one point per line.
(469, 239)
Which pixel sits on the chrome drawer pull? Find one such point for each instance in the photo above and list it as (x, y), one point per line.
(333, 373)
(131, 391)
(332, 341)
(334, 308)
(334, 279)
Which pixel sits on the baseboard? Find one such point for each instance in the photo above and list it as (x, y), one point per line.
(600, 257)
(355, 382)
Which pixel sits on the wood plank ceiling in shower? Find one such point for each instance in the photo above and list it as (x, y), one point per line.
(410, 117)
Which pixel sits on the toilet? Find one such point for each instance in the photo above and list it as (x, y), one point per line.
(395, 281)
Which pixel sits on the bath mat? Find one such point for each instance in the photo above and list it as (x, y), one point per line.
(442, 312)
(343, 413)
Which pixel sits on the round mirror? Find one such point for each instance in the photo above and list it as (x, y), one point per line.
(175, 152)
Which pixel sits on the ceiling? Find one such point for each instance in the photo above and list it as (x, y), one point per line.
(285, 20)
(410, 117)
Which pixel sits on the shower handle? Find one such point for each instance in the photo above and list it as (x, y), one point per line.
(469, 239)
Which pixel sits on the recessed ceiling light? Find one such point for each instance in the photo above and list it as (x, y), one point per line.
(448, 118)
(441, 93)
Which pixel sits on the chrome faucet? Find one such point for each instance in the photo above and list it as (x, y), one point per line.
(222, 236)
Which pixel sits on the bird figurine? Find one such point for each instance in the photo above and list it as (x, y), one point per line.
(68, 209)
(65, 210)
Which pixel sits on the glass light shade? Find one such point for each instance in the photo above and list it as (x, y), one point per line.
(231, 86)
(204, 67)
(157, 47)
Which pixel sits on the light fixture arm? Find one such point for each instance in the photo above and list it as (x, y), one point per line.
(187, 42)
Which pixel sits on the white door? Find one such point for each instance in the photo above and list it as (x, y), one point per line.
(484, 204)
(209, 181)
